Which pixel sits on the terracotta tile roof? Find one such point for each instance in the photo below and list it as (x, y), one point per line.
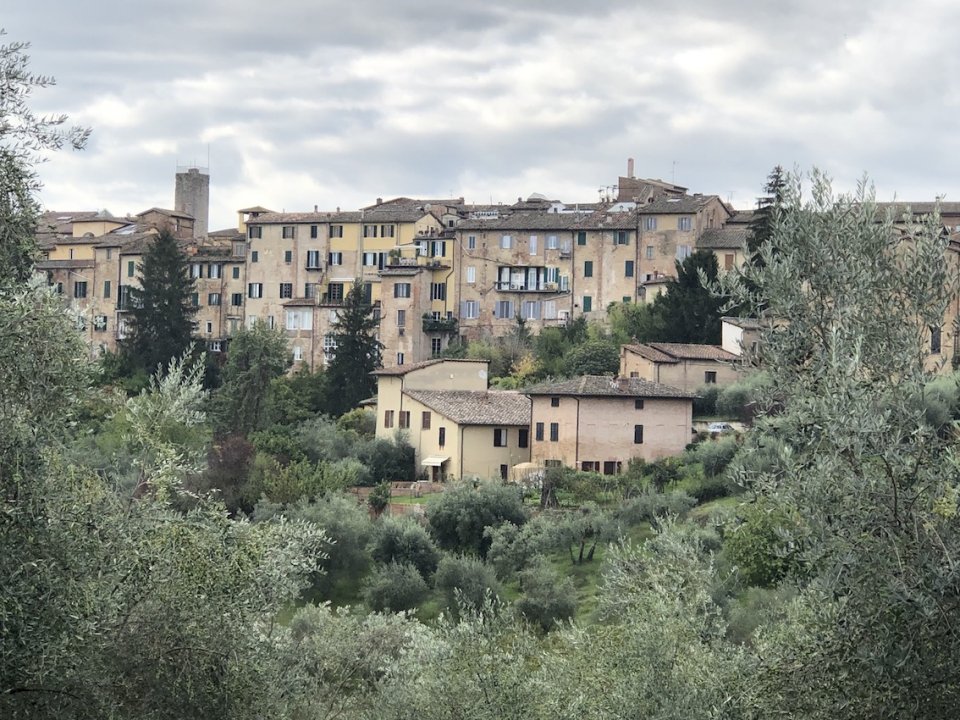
(725, 238)
(64, 264)
(684, 204)
(743, 322)
(275, 218)
(255, 209)
(918, 208)
(693, 351)
(161, 211)
(477, 407)
(608, 386)
(649, 353)
(404, 369)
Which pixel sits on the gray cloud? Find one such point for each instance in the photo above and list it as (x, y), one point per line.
(302, 103)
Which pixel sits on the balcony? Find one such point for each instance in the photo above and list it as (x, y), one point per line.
(443, 325)
(547, 287)
(314, 266)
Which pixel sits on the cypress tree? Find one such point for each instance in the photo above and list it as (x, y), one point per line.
(162, 310)
(357, 354)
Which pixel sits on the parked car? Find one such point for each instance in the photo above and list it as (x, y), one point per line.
(719, 428)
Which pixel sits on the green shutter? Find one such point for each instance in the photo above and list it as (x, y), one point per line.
(582, 237)
(588, 268)
(587, 303)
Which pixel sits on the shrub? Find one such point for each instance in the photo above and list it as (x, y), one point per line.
(706, 402)
(465, 582)
(703, 488)
(379, 498)
(404, 541)
(650, 506)
(394, 587)
(459, 517)
(734, 399)
(359, 420)
(547, 597)
(759, 546)
(715, 455)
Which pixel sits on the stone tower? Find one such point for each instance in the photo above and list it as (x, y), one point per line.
(192, 196)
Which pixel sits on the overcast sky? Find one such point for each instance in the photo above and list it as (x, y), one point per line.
(312, 102)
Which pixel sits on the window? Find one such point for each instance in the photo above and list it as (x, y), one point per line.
(196, 270)
(388, 418)
(335, 258)
(710, 377)
(299, 320)
(336, 231)
(638, 404)
(100, 322)
(209, 327)
(499, 437)
(684, 223)
(611, 467)
(254, 232)
(313, 232)
(297, 353)
(728, 261)
(554, 402)
(425, 420)
(588, 268)
(213, 299)
(313, 259)
(589, 466)
(401, 290)
(131, 268)
(587, 303)
(404, 419)
(255, 290)
(621, 237)
(251, 320)
(523, 438)
(530, 310)
(195, 299)
(638, 434)
(310, 290)
(552, 243)
(538, 431)
(288, 256)
(533, 244)
(438, 248)
(470, 309)
(369, 231)
(438, 291)
(254, 256)
(934, 336)
(506, 242)
(628, 268)
(216, 346)
(683, 252)
(399, 358)
(504, 471)
(581, 237)
(554, 432)
(329, 346)
(236, 299)
(335, 292)
(286, 290)
(471, 242)
(649, 252)
(625, 299)
(650, 223)
(236, 272)
(80, 289)
(106, 289)
(386, 231)
(503, 310)
(109, 253)
(471, 275)
(214, 270)
(401, 318)
(442, 437)
(436, 346)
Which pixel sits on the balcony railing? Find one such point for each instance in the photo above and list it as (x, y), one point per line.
(547, 287)
(432, 324)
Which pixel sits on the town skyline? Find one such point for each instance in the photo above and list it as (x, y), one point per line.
(297, 105)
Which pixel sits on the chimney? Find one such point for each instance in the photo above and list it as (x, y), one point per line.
(379, 201)
(316, 209)
(629, 167)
